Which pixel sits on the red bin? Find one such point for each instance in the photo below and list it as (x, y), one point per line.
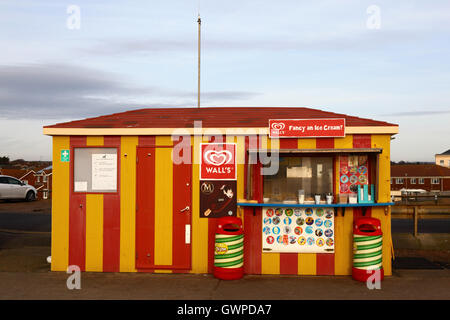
(229, 249)
(367, 249)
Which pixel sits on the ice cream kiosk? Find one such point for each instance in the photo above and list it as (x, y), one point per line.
(142, 190)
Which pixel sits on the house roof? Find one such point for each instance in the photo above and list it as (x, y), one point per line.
(419, 170)
(445, 153)
(232, 117)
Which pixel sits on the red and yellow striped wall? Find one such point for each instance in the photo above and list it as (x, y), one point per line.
(103, 239)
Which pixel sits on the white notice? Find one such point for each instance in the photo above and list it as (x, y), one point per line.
(80, 186)
(104, 171)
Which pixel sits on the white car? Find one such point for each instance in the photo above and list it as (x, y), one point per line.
(13, 188)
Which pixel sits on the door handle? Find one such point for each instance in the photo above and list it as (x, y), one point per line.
(185, 209)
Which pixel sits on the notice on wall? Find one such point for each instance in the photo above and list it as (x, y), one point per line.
(217, 199)
(353, 171)
(104, 171)
(80, 186)
(304, 230)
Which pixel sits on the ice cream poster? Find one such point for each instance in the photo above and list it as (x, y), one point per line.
(217, 198)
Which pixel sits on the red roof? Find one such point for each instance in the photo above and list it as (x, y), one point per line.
(239, 117)
(419, 170)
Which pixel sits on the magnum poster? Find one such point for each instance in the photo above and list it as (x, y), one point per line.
(217, 198)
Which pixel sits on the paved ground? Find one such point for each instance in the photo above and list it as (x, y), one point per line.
(404, 284)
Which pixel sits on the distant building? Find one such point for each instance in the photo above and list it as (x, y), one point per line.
(428, 177)
(40, 179)
(443, 159)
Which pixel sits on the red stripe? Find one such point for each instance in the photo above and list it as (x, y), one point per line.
(325, 261)
(181, 251)
(145, 215)
(146, 141)
(252, 240)
(111, 217)
(288, 143)
(77, 214)
(288, 263)
(325, 143)
(362, 141)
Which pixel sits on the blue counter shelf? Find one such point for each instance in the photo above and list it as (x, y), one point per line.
(364, 206)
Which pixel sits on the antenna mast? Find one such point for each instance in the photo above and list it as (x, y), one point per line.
(199, 40)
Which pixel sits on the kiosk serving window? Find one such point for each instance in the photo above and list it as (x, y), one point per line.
(299, 177)
(95, 170)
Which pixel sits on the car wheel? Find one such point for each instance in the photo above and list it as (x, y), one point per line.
(30, 196)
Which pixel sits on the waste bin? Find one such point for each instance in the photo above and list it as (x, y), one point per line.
(367, 248)
(229, 249)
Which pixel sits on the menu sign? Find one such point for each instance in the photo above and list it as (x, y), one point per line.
(309, 230)
(218, 161)
(306, 128)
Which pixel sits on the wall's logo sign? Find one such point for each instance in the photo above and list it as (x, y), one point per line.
(277, 126)
(218, 158)
(218, 161)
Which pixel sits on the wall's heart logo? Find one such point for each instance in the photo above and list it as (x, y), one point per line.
(277, 126)
(218, 158)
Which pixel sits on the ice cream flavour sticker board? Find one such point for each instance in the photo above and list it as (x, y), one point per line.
(305, 230)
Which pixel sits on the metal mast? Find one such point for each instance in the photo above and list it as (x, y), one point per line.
(199, 41)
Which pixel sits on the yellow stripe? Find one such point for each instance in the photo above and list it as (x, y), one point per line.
(199, 244)
(94, 232)
(128, 203)
(343, 225)
(163, 206)
(60, 206)
(94, 222)
(307, 261)
(270, 261)
(384, 195)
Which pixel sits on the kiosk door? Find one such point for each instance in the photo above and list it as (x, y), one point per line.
(163, 212)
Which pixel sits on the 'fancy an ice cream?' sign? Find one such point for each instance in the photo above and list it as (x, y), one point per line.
(306, 128)
(218, 161)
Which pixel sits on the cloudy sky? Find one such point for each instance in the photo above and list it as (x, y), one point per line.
(385, 60)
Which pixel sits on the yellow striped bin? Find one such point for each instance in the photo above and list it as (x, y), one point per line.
(229, 256)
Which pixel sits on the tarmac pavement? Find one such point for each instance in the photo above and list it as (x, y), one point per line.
(403, 285)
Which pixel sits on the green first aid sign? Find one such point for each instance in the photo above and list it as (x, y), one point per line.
(65, 155)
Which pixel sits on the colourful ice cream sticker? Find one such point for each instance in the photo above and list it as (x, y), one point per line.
(301, 241)
(287, 220)
(319, 222)
(276, 230)
(309, 212)
(289, 212)
(328, 223)
(328, 233)
(310, 241)
(309, 229)
(298, 230)
(269, 212)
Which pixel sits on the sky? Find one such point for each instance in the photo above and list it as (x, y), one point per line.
(68, 60)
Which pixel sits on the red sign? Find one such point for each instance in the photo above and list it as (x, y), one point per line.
(218, 161)
(306, 128)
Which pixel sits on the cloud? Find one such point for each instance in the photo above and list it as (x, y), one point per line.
(58, 91)
(418, 113)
